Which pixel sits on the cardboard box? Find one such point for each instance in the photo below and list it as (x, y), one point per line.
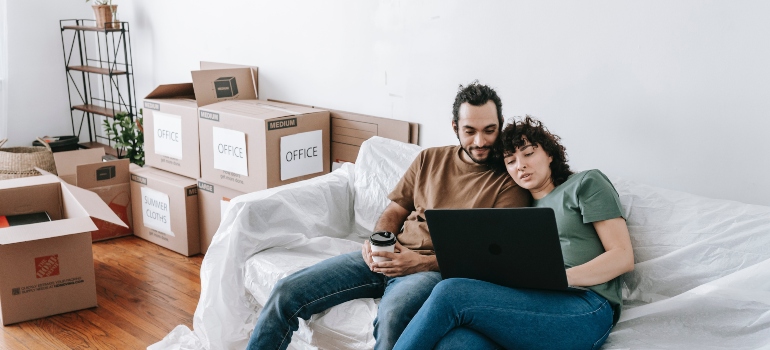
(171, 130)
(47, 268)
(109, 180)
(254, 72)
(217, 82)
(349, 130)
(251, 145)
(165, 209)
(213, 200)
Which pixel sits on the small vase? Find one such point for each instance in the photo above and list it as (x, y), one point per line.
(105, 16)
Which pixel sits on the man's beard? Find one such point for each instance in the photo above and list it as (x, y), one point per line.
(486, 161)
(492, 155)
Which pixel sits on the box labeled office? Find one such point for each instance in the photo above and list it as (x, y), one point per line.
(109, 180)
(171, 130)
(165, 209)
(213, 201)
(252, 145)
(47, 268)
(349, 130)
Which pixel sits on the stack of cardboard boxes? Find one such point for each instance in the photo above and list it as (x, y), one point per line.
(212, 140)
(206, 142)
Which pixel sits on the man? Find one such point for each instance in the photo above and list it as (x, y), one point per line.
(464, 176)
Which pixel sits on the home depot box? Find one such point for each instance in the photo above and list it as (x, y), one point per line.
(165, 209)
(213, 200)
(109, 180)
(47, 268)
(252, 145)
(171, 130)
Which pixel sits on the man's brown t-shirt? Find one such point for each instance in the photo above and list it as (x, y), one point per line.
(439, 178)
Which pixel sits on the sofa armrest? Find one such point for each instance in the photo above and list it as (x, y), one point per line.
(321, 206)
(380, 165)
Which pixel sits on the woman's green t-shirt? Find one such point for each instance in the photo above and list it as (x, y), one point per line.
(583, 199)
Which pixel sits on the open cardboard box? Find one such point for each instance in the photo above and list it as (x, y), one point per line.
(171, 130)
(47, 268)
(109, 180)
(217, 82)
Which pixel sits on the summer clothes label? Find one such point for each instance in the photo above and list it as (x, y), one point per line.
(156, 211)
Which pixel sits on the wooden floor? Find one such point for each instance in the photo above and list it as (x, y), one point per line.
(144, 291)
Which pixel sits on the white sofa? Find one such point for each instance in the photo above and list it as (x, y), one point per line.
(701, 280)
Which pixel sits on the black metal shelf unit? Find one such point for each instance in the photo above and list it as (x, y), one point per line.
(100, 76)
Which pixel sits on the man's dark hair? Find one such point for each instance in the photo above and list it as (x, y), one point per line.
(477, 95)
(530, 129)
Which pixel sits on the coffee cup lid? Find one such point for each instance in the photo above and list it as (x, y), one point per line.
(382, 238)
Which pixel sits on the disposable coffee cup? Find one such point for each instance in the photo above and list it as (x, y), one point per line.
(382, 241)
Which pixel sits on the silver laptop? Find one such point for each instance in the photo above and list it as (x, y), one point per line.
(512, 247)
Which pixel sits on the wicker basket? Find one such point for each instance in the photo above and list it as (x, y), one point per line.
(21, 161)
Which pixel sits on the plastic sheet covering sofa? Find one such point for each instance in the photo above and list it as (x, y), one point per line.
(701, 280)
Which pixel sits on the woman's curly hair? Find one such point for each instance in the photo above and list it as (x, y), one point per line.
(517, 133)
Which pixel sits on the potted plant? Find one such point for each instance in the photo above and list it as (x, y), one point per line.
(105, 13)
(128, 136)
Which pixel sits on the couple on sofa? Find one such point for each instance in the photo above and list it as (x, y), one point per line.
(418, 310)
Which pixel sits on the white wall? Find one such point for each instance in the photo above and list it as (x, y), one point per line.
(669, 93)
(3, 72)
(37, 85)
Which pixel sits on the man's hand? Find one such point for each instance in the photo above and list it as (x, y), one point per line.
(403, 262)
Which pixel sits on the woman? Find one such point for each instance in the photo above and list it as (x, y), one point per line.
(471, 314)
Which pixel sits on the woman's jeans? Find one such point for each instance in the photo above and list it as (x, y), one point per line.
(335, 281)
(470, 314)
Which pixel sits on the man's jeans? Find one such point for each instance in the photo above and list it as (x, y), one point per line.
(470, 314)
(335, 281)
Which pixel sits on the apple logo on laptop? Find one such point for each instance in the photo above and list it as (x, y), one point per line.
(495, 249)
